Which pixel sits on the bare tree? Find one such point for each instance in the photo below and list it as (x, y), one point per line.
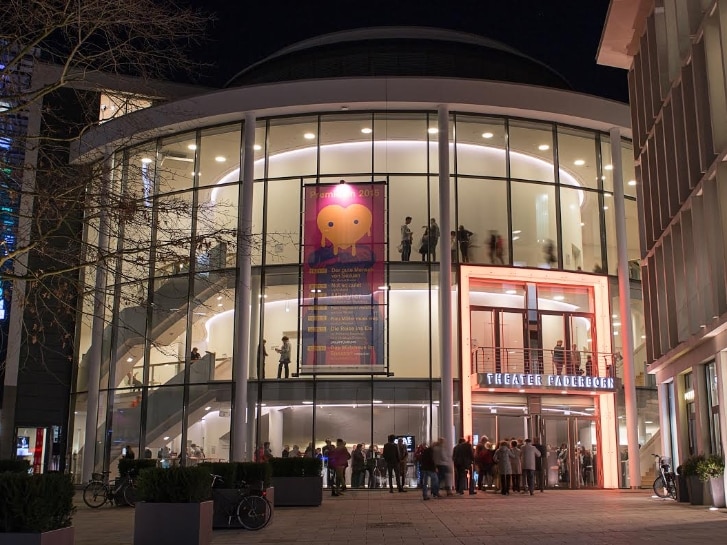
(46, 204)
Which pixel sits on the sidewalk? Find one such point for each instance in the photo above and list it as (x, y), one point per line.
(583, 517)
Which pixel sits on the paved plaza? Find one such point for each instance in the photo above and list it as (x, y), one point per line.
(583, 517)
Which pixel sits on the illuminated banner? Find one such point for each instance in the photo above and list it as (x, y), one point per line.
(529, 380)
(344, 296)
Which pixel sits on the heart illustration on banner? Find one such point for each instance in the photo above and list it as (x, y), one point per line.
(344, 227)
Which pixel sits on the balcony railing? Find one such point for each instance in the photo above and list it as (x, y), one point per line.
(489, 359)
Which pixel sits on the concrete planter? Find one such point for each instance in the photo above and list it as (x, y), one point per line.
(298, 491)
(173, 523)
(62, 536)
(696, 490)
(716, 485)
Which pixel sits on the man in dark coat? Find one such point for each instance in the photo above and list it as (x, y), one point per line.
(392, 458)
(463, 458)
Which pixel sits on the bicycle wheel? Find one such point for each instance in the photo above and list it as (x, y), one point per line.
(660, 487)
(672, 486)
(130, 493)
(254, 512)
(95, 494)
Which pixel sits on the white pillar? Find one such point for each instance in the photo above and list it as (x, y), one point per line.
(703, 412)
(445, 280)
(241, 361)
(665, 423)
(95, 354)
(624, 290)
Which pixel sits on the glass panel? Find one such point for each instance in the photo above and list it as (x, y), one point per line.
(401, 143)
(629, 172)
(586, 454)
(280, 318)
(216, 229)
(581, 230)
(565, 298)
(632, 239)
(292, 147)
(212, 326)
(130, 326)
(84, 341)
(219, 156)
(283, 225)
(409, 320)
(483, 213)
(577, 158)
(163, 422)
(346, 143)
(609, 213)
(408, 197)
(286, 417)
(123, 430)
(174, 232)
(481, 144)
(140, 172)
(533, 224)
(557, 444)
(552, 330)
(175, 168)
(531, 151)
(77, 440)
(208, 434)
(497, 294)
(168, 333)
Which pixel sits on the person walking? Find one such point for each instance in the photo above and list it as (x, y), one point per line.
(429, 473)
(529, 455)
(407, 237)
(391, 457)
(503, 458)
(443, 461)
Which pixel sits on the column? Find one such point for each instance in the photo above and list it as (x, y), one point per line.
(445, 280)
(629, 374)
(241, 360)
(702, 408)
(665, 423)
(95, 355)
(720, 364)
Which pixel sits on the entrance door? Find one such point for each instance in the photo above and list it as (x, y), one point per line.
(498, 340)
(572, 458)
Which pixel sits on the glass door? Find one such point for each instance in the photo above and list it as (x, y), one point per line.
(498, 340)
(567, 338)
(572, 456)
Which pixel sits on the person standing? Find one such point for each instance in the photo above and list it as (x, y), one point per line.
(391, 457)
(529, 455)
(434, 235)
(358, 466)
(341, 456)
(284, 361)
(262, 353)
(403, 460)
(575, 360)
(429, 473)
(558, 357)
(424, 244)
(327, 452)
(463, 458)
(195, 355)
(407, 237)
(540, 464)
(286, 452)
(516, 466)
(443, 461)
(492, 246)
(463, 238)
(503, 457)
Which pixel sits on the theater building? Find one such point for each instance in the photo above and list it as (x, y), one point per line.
(299, 177)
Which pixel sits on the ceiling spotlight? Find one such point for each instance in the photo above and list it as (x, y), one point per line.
(220, 159)
(257, 147)
(558, 297)
(605, 207)
(579, 162)
(608, 167)
(432, 130)
(129, 359)
(583, 224)
(543, 147)
(309, 136)
(207, 408)
(632, 182)
(367, 130)
(192, 147)
(487, 135)
(511, 292)
(146, 160)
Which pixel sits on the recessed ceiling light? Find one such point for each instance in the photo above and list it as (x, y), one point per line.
(608, 167)
(583, 224)
(146, 160)
(367, 130)
(543, 147)
(579, 162)
(207, 408)
(487, 135)
(309, 136)
(166, 438)
(558, 297)
(517, 232)
(219, 298)
(511, 292)
(192, 147)
(220, 159)
(307, 403)
(432, 130)
(129, 359)
(257, 147)
(632, 182)
(605, 207)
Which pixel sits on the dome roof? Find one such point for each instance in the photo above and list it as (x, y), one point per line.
(399, 51)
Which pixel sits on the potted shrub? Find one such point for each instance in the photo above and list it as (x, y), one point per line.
(297, 481)
(694, 485)
(711, 470)
(225, 493)
(174, 507)
(36, 509)
(14, 466)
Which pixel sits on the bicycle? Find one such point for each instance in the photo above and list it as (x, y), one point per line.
(253, 510)
(665, 482)
(98, 491)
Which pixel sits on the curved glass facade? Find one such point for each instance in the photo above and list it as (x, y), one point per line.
(533, 196)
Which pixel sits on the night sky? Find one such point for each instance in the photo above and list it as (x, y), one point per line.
(564, 34)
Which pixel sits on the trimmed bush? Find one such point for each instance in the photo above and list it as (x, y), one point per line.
(135, 465)
(234, 472)
(689, 467)
(174, 485)
(35, 503)
(296, 467)
(14, 466)
(710, 467)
